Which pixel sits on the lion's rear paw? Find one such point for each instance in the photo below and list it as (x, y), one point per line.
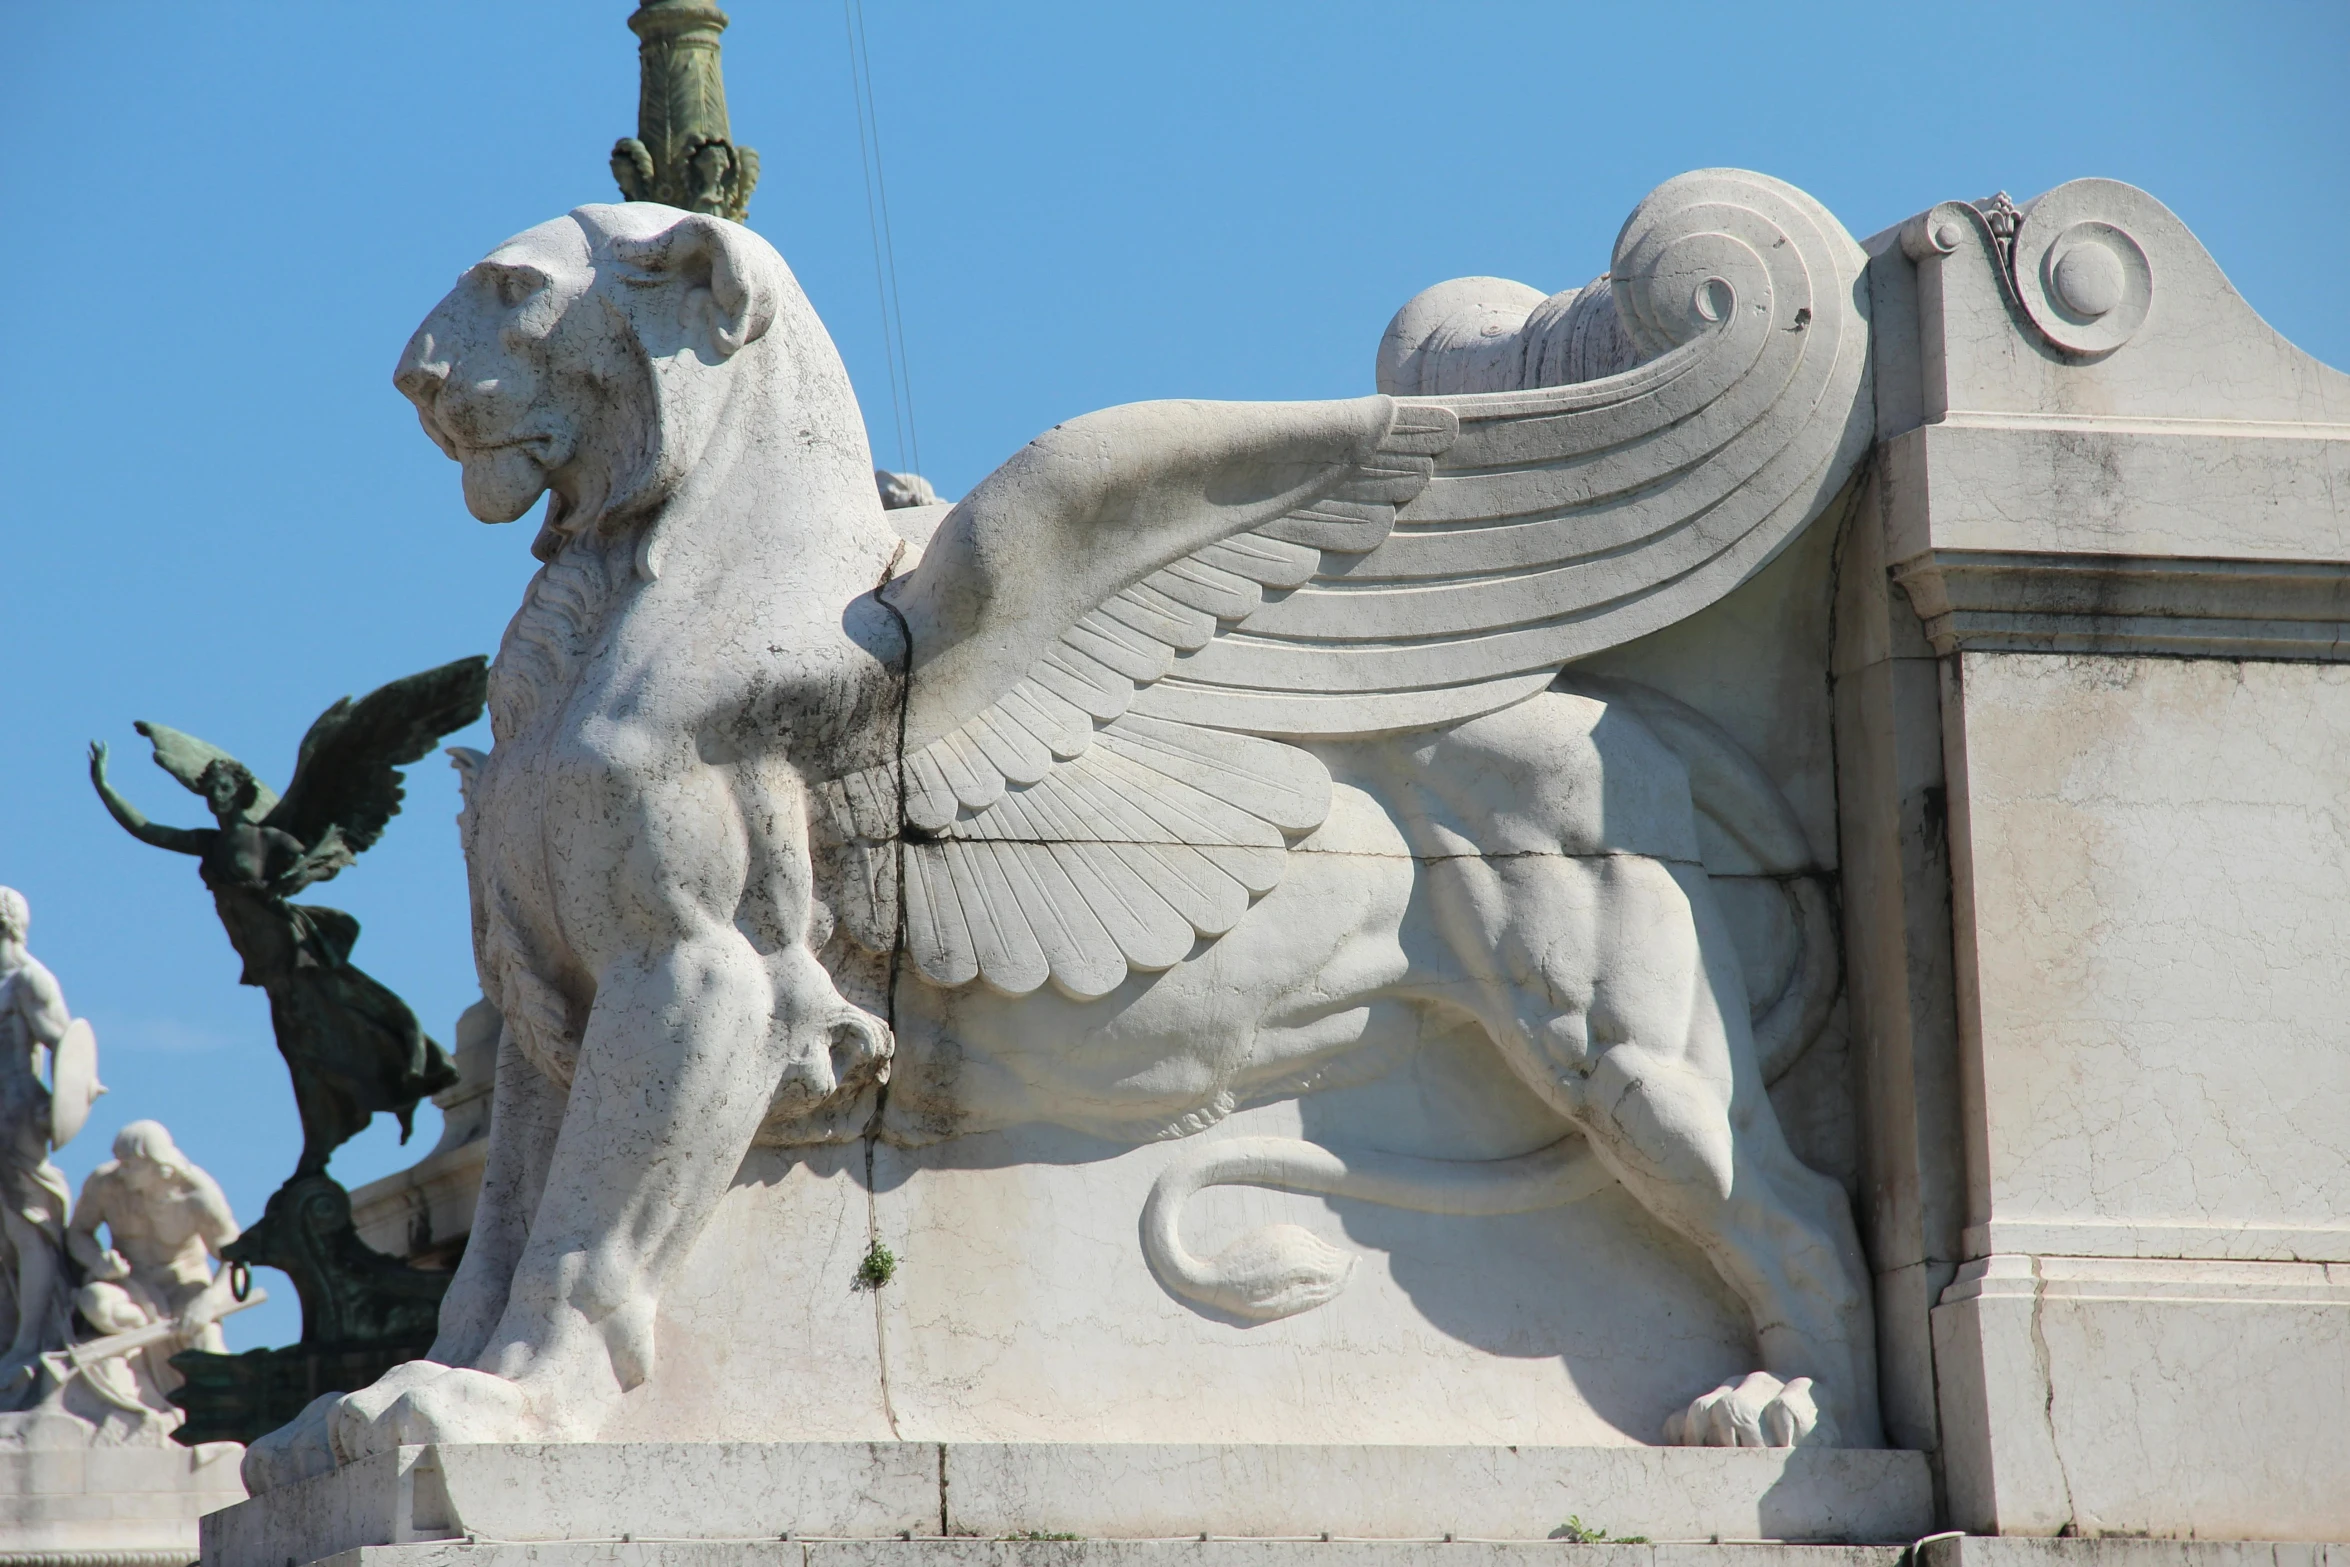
(1758, 1410)
(423, 1402)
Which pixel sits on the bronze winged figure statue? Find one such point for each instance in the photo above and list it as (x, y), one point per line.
(353, 1047)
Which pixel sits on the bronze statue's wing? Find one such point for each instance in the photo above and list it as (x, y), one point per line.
(347, 774)
(185, 757)
(1119, 636)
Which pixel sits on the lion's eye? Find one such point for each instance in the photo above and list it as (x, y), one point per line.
(516, 284)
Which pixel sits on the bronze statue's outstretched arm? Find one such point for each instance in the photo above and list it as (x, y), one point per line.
(183, 840)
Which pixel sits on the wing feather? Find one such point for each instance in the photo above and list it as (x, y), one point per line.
(937, 938)
(1076, 679)
(1266, 561)
(977, 782)
(1258, 870)
(1010, 958)
(1159, 937)
(1190, 626)
(1065, 729)
(930, 799)
(1011, 746)
(1210, 902)
(1108, 644)
(1172, 810)
(1209, 589)
(1084, 958)
(1278, 784)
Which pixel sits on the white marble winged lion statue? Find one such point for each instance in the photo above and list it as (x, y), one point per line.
(1201, 746)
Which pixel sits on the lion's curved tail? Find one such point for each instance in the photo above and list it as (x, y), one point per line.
(1281, 1269)
(1757, 835)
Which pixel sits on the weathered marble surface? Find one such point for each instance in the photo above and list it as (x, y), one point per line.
(746, 1492)
(1024, 1307)
(1958, 1550)
(1338, 1552)
(2158, 875)
(2110, 1384)
(2092, 715)
(1938, 1551)
(62, 1498)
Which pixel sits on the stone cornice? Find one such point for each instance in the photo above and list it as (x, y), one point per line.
(2033, 602)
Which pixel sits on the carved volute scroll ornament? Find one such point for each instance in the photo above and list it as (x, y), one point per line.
(2071, 262)
(2082, 276)
(683, 153)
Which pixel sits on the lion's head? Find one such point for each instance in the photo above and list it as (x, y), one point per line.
(595, 355)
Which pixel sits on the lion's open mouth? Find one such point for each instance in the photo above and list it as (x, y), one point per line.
(539, 449)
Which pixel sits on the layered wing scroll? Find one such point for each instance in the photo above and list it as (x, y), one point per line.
(1568, 519)
(1116, 635)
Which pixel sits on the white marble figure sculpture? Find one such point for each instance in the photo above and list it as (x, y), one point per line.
(1202, 749)
(35, 1116)
(152, 1279)
(94, 1471)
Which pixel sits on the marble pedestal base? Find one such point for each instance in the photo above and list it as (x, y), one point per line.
(1942, 1551)
(744, 1494)
(111, 1506)
(2158, 1396)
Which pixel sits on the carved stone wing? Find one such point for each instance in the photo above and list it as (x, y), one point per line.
(347, 774)
(1115, 634)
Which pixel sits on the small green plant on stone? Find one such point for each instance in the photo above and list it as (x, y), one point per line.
(878, 1268)
(1576, 1532)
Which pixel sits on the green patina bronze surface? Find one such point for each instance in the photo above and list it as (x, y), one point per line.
(683, 153)
(352, 1047)
(362, 1314)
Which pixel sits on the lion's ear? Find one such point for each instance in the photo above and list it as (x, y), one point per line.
(726, 293)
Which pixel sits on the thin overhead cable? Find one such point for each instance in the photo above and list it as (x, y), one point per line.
(885, 255)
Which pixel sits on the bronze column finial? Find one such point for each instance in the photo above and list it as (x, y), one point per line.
(682, 153)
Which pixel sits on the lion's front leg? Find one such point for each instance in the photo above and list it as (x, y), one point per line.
(527, 1110)
(676, 1071)
(692, 1036)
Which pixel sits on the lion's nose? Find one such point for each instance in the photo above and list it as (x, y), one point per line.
(423, 371)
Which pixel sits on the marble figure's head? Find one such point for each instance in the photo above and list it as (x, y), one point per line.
(591, 358)
(145, 1153)
(227, 787)
(16, 915)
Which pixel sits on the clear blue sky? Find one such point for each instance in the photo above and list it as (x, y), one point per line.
(218, 514)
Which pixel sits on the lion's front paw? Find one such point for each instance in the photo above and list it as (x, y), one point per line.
(295, 1451)
(1758, 1410)
(423, 1402)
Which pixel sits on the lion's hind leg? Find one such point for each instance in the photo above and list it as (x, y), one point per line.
(1561, 874)
(1615, 996)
